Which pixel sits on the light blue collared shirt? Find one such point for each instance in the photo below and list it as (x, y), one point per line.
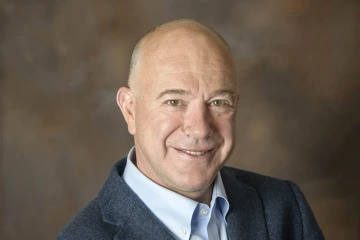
(184, 217)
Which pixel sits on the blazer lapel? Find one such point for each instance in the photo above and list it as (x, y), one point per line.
(131, 219)
(245, 218)
(143, 225)
(122, 208)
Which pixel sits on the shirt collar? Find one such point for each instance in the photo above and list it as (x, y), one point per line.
(165, 203)
(219, 196)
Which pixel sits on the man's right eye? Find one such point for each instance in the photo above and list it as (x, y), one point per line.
(174, 102)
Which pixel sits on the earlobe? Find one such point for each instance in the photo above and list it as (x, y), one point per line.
(126, 101)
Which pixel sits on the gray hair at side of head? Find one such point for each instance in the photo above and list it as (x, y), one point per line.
(136, 54)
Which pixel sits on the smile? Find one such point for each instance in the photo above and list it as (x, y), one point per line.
(195, 153)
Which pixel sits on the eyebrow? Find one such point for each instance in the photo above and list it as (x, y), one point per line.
(183, 92)
(220, 92)
(172, 91)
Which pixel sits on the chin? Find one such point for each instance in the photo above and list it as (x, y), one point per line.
(195, 186)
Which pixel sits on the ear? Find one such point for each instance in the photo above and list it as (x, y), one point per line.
(126, 101)
(237, 96)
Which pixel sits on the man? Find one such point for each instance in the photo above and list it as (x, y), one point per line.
(181, 107)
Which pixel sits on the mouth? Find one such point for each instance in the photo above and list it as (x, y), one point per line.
(195, 153)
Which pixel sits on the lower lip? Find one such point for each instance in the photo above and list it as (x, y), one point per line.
(205, 155)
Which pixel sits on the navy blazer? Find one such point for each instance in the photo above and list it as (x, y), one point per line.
(260, 208)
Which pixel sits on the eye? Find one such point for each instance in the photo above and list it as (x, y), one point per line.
(218, 103)
(221, 105)
(174, 102)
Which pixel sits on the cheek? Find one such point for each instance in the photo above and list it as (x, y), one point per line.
(225, 124)
(161, 125)
(226, 128)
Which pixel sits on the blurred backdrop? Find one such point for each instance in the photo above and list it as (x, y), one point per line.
(61, 63)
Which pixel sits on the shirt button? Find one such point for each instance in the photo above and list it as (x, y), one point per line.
(183, 231)
(203, 212)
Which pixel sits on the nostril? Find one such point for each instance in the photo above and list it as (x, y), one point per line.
(198, 131)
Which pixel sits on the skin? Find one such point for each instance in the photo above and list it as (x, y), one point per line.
(182, 112)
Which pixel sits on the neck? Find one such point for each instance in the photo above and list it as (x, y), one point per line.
(204, 197)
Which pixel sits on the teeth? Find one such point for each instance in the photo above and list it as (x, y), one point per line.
(195, 153)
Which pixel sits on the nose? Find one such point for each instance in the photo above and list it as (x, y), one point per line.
(197, 122)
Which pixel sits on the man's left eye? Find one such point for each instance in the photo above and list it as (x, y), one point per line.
(174, 102)
(218, 103)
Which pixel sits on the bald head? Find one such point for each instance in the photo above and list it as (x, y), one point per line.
(168, 35)
(182, 99)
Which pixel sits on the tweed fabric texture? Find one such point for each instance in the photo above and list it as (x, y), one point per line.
(260, 208)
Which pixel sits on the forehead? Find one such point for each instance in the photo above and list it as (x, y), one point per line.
(184, 69)
(184, 58)
(183, 42)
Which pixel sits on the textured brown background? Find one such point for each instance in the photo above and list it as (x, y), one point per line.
(61, 63)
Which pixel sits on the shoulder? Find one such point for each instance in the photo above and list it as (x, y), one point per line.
(87, 224)
(272, 191)
(257, 181)
(282, 202)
